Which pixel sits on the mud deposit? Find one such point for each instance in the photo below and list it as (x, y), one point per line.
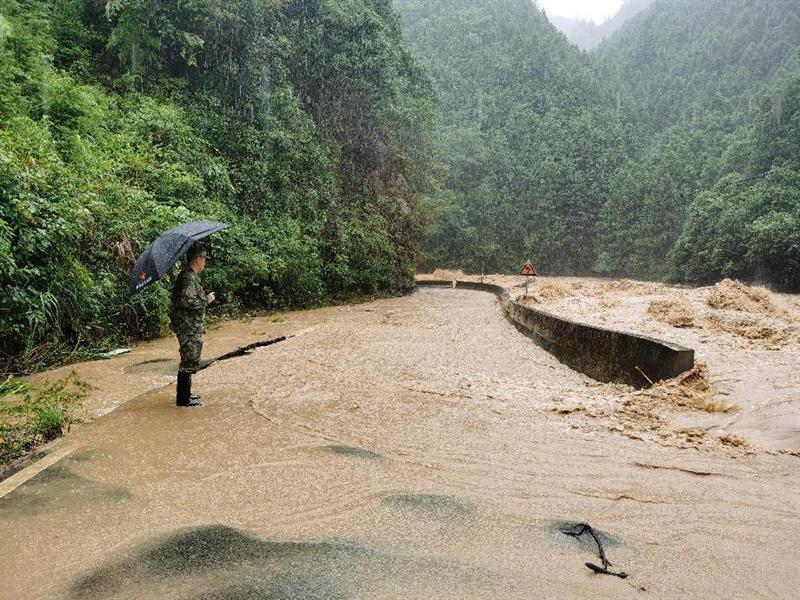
(417, 447)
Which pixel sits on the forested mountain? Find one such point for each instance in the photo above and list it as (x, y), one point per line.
(616, 162)
(683, 58)
(302, 123)
(529, 136)
(748, 224)
(587, 34)
(705, 77)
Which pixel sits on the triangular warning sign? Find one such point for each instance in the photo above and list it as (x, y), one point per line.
(528, 270)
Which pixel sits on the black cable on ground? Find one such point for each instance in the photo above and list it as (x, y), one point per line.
(244, 351)
(582, 528)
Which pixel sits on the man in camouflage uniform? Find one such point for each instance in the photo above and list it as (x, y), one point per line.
(187, 314)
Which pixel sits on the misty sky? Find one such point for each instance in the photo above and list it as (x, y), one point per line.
(588, 10)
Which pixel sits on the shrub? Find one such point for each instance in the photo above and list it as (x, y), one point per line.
(45, 412)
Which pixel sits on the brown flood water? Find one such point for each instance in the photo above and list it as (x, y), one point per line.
(751, 349)
(410, 448)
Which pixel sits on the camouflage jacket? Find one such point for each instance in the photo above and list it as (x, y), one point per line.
(189, 301)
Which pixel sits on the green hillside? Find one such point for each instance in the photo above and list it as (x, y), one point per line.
(615, 162)
(348, 142)
(303, 124)
(529, 136)
(705, 78)
(683, 58)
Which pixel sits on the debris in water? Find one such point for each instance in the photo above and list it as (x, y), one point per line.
(673, 311)
(582, 528)
(550, 291)
(692, 389)
(775, 334)
(448, 275)
(244, 351)
(737, 441)
(735, 295)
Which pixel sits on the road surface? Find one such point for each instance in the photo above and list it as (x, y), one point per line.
(418, 447)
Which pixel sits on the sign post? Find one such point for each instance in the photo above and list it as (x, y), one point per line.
(528, 271)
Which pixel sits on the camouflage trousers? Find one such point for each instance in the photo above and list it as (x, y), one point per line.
(191, 346)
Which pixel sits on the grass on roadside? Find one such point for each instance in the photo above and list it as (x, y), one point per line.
(12, 387)
(49, 355)
(42, 413)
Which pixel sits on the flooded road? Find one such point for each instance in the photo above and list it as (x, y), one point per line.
(418, 447)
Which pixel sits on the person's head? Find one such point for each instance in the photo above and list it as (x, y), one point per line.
(196, 258)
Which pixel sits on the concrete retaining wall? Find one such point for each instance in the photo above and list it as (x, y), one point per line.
(603, 354)
(497, 290)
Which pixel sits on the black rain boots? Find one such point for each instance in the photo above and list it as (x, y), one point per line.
(184, 396)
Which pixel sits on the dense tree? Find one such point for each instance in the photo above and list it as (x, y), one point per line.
(681, 58)
(697, 70)
(529, 137)
(609, 162)
(305, 124)
(649, 196)
(748, 224)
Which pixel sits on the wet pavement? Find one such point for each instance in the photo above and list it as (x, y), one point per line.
(405, 448)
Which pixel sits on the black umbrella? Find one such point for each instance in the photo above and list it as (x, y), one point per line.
(163, 253)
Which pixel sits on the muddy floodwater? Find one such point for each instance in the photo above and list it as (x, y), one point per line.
(418, 447)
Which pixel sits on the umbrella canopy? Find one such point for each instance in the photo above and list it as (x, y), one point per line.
(165, 251)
